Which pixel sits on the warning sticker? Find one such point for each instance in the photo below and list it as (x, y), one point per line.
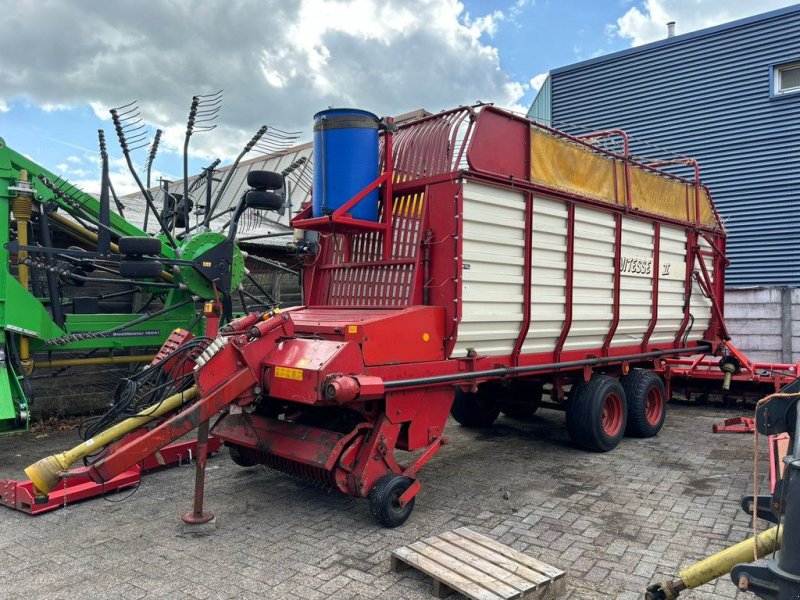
(289, 373)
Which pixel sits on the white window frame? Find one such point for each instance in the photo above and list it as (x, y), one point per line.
(777, 72)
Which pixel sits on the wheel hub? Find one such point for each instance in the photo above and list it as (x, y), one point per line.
(612, 415)
(654, 407)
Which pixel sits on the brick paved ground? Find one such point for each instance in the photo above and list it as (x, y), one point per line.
(614, 521)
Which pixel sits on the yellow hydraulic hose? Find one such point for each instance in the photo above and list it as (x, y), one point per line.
(99, 360)
(716, 565)
(46, 473)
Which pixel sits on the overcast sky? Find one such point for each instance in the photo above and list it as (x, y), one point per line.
(66, 62)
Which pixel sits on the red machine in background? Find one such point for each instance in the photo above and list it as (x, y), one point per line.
(506, 256)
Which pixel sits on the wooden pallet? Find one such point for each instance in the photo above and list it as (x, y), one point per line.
(479, 568)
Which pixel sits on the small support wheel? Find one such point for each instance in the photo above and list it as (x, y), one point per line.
(476, 409)
(647, 403)
(522, 400)
(597, 413)
(140, 269)
(384, 500)
(241, 456)
(137, 246)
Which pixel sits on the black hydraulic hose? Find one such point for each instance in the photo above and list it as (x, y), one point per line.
(420, 381)
(52, 282)
(107, 296)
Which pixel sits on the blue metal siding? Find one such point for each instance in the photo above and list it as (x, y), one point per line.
(541, 108)
(708, 97)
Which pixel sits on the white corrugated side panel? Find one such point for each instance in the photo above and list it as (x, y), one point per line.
(636, 282)
(548, 275)
(672, 252)
(700, 306)
(492, 276)
(593, 278)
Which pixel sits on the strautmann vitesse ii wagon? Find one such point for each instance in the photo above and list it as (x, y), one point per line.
(496, 259)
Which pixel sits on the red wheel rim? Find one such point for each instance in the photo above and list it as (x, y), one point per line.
(654, 407)
(612, 415)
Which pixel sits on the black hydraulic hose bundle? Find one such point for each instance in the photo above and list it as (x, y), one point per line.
(147, 388)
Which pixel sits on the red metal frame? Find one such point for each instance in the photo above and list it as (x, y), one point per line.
(703, 369)
(21, 495)
(374, 286)
(736, 425)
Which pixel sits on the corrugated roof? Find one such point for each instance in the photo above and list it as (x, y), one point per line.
(135, 205)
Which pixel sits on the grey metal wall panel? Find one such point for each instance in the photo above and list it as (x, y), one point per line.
(541, 109)
(707, 95)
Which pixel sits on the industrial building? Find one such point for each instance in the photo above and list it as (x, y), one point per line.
(729, 97)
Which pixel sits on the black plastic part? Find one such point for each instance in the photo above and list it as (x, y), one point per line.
(638, 385)
(140, 269)
(259, 200)
(265, 180)
(384, 501)
(137, 246)
(241, 457)
(585, 413)
(475, 409)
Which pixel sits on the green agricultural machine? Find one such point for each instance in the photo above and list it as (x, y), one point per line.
(69, 258)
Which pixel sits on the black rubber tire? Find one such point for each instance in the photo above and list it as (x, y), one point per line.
(479, 409)
(265, 180)
(585, 413)
(640, 385)
(136, 246)
(259, 200)
(140, 269)
(523, 399)
(241, 457)
(383, 501)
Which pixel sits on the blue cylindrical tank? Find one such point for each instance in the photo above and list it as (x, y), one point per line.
(345, 161)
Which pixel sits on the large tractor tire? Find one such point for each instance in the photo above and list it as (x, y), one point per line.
(522, 399)
(597, 413)
(477, 409)
(647, 403)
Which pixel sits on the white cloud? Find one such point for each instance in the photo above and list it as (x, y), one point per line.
(537, 81)
(647, 22)
(278, 62)
(74, 159)
(4, 107)
(486, 24)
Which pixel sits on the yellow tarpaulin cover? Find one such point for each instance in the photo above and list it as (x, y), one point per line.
(571, 167)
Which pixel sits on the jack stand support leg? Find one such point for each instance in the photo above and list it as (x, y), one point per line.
(198, 521)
